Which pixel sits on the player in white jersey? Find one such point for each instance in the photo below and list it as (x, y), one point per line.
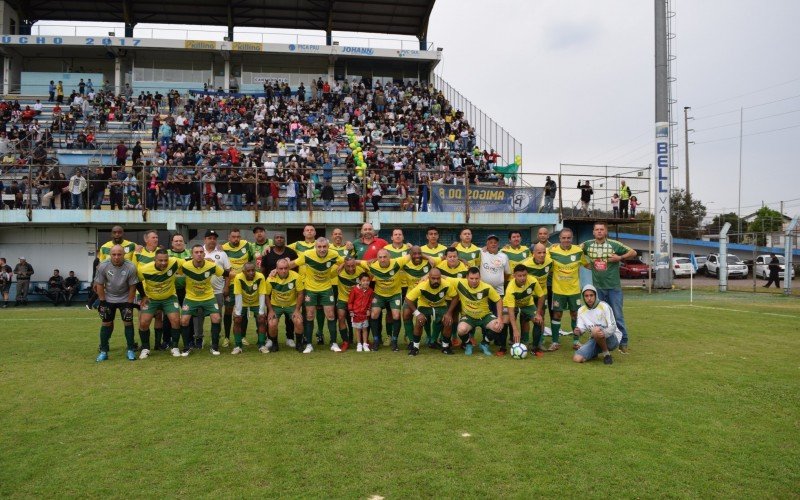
(495, 271)
(216, 254)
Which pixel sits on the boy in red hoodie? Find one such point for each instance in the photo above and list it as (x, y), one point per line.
(359, 303)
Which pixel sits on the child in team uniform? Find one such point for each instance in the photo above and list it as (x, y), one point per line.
(359, 303)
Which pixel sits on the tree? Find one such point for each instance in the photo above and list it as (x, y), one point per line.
(686, 214)
(765, 221)
(719, 220)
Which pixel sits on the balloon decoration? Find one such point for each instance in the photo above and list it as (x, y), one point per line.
(358, 152)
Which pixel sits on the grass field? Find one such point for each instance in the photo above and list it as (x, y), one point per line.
(707, 404)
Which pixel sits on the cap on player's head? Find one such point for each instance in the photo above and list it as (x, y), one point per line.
(492, 237)
(211, 233)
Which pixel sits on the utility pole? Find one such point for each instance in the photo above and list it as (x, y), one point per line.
(686, 142)
(739, 209)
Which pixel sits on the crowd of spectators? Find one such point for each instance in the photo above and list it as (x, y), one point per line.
(281, 150)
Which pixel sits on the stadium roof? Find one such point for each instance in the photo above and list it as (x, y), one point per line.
(404, 17)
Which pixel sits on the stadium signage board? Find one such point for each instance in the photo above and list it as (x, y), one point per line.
(487, 199)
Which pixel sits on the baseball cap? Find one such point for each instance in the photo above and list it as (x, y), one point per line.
(258, 228)
(211, 232)
(22, 258)
(492, 237)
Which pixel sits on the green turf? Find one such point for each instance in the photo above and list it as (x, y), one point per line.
(706, 404)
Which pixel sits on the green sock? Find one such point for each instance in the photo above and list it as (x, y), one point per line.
(237, 339)
(555, 328)
(344, 334)
(216, 328)
(408, 326)
(320, 322)
(332, 329)
(308, 330)
(375, 325)
(244, 325)
(159, 337)
(175, 335)
(128, 337)
(434, 332)
(105, 336)
(395, 330)
(188, 333)
(144, 338)
(227, 319)
(262, 339)
(537, 336)
(526, 335)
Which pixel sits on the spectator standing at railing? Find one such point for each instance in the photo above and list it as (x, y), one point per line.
(184, 185)
(51, 90)
(170, 193)
(586, 196)
(550, 189)
(116, 185)
(153, 189)
(236, 189)
(77, 188)
(97, 182)
(291, 193)
(624, 199)
(60, 92)
(615, 204)
(82, 86)
(328, 196)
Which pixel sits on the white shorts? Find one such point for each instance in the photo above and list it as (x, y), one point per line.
(361, 324)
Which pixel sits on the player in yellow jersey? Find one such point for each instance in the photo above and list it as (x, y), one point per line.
(472, 295)
(249, 290)
(157, 289)
(343, 248)
(239, 253)
(307, 243)
(525, 300)
(567, 261)
(415, 270)
(346, 279)
(145, 255)
(433, 248)
(468, 253)
(397, 248)
(538, 265)
(316, 266)
(117, 238)
(200, 294)
(451, 266)
(515, 250)
(285, 291)
(427, 306)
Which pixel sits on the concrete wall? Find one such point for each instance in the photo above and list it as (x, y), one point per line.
(37, 82)
(48, 248)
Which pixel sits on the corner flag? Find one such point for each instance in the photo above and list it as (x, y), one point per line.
(694, 261)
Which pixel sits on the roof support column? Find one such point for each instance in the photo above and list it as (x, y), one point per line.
(127, 17)
(423, 43)
(230, 25)
(118, 75)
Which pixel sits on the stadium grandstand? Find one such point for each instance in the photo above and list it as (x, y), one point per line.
(183, 134)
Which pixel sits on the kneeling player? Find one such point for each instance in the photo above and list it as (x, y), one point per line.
(472, 294)
(158, 293)
(428, 304)
(249, 289)
(524, 295)
(285, 291)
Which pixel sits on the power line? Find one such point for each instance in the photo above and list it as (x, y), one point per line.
(617, 147)
(749, 135)
(747, 107)
(747, 121)
(748, 93)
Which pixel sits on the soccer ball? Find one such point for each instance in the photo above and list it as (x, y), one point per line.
(519, 351)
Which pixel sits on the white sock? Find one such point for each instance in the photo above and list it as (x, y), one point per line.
(606, 353)
(416, 345)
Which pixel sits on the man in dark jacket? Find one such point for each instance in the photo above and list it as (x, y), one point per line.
(774, 271)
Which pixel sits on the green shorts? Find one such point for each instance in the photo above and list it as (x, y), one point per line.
(169, 305)
(394, 302)
(341, 304)
(324, 298)
(204, 307)
(526, 313)
(246, 310)
(478, 322)
(230, 300)
(283, 311)
(566, 302)
(434, 314)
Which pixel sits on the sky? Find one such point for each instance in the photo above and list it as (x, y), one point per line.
(573, 81)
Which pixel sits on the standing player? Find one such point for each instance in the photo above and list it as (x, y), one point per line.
(472, 295)
(200, 298)
(417, 268)
(115, 283)
(367, 247)
(260, 247)
(495, 271)
(467, 252)
(157, 288)
(433, 248)
(343, 248)
(143, 256)
(308, 243)
(249, 290)
(543, 237)
(239, 253)
(604, 256)
(285, 291)
(316, 271)
(219, 285)
(567, 261)
(538, 265)
(451, 266)
(515, 250)
(339, 245)
(178, 251)
(427, 303)
(525, 299)
(117, 238)
(398, 248)
(268, 263)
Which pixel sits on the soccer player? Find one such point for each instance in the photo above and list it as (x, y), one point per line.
(433, 248)
(213, 253)
(596, 318)
(157, 289)
(525, 299)
(249, 290)
(117, 238)
(178, 251)
(309, 240)
(343, 248)
(115, 283)
(472, 295)
(604, 256)
(515, 250)
(543, 237)
(427, 303)
(143, 256)
(316, 271)
(339, 245)
(451, 266)
(468, 253)
(398, 248)
(285, 290)
(346, 278)
(239, 253)
(367, 247)
(269, 262)
(495, 271)
(200, 298)
(261, 246)
(538, 265)
(567, 261)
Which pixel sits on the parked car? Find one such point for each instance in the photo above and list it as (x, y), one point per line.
(701, 264)
(761, 267)
(736, 268)
(633, 268)
(682, 266)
